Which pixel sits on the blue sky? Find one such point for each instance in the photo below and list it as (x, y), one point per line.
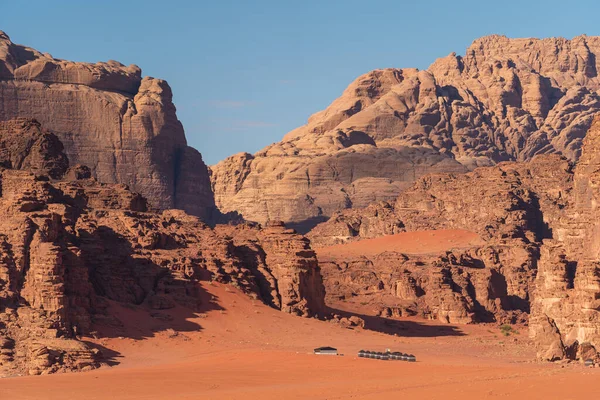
(246, 72)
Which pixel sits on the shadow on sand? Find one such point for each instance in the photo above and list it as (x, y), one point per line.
(109, 357)
(141, 322)
(401, 328)
(133, 296)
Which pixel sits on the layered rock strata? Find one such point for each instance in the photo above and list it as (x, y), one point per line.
(541, 256)
(505, 99)
(508, 206)
(122, 126)
(566, 307)
(69, 246)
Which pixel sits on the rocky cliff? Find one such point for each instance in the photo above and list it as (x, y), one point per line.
(505, 99)
(122, 126)
(508, 206)
(566, 307)
(541, 255)
(70, 246)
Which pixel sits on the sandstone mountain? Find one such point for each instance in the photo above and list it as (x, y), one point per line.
(505, 99)
(122, 126)
(506, 205)
(540, 258)
(70, 247)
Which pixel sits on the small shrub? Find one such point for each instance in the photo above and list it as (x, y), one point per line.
(507, 330)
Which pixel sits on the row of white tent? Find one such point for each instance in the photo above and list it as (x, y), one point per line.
(387, 355)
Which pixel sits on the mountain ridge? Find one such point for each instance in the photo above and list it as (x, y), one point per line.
(506, 99)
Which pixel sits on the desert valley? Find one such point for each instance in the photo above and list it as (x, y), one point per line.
(450, 213)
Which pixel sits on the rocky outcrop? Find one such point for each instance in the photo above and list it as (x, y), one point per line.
(122, 126)
(477, 283)
(509, 206)
(505, 99)
(566, 307)
(287, 272)
(70, 247)
(510, 201)
(541, 255)
(24, 145)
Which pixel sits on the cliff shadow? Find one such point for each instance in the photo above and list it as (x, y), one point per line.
(106, 356)
(541, 229)
(305, 226)
(399, 327)
(132, 295)
(253, 258)
(554, 93)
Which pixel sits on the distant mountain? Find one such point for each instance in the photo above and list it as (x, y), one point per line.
(506, 99)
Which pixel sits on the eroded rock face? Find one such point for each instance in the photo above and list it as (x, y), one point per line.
(506, 99)
(288, 275)
(68, 247)
(485, 283)
(509, 206)
(541, 257)
(566, 307)
(24, 145)
(510, 201)
(122, 126)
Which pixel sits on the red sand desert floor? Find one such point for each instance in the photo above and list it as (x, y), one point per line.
(241, 349)
(418, 242)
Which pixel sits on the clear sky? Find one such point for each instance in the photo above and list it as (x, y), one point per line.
(246, 72)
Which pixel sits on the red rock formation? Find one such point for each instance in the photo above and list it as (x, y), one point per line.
(69, 246)
(23, 145)
(505, 202)
(506, 99)
(566, 306)
(510, 206)
(541, 256)
(124, 127)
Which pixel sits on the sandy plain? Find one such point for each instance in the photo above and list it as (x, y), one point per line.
(238, 348)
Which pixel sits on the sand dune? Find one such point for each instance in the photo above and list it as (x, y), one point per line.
(418, 242)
